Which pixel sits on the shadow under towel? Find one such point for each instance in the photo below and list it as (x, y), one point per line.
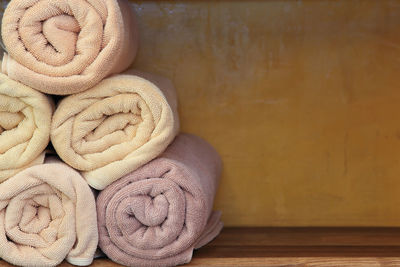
(47, 213)
(158, 214)
(25, 118)
(63, 47)
(116, 127)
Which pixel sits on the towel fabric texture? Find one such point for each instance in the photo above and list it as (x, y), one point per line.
(157, 215)
(67, 46)
(47, 213)
(25, 119)
(114, 128)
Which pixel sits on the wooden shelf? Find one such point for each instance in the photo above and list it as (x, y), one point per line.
(302, 246)
(296, 246)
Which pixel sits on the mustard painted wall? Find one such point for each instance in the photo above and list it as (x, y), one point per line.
(301, 99)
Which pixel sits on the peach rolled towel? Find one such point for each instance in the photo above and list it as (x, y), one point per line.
(67, 46)
(25, 119)
(157, 215)
(47, 213)
(114, 128)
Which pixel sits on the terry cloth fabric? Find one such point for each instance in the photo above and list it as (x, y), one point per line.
(63, 47)
(114, 128)
(47, 213)
(157, 215)
(25, 118)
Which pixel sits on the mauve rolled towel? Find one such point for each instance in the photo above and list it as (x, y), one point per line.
(158, 214)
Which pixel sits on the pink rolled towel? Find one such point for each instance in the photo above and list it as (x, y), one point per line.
(63, 47)
(158, 214)
(47, 213)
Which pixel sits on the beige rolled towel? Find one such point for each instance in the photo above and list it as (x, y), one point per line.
(114, 128)
(47, 214)
(25, 118)
(66, 46)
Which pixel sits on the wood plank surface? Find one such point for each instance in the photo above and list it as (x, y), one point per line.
(324, 247)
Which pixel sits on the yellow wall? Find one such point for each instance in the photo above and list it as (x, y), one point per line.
(301, 98)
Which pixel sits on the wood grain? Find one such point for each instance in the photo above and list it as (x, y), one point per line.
(322, 247)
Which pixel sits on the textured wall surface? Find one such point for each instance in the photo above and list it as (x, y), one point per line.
(301, 98)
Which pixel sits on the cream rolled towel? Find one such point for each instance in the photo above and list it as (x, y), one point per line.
(25, 119)
(114, 128)
(157, 215)
(47, 214)
(67, 46)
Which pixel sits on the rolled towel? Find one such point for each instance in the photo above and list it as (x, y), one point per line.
(158, 214)
(63, 47)
(47, 213)
(25, 118)
(114, 128)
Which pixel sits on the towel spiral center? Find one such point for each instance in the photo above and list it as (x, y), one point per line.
(10, 120)
(33, 218)
(145, 212)
(52, 37)
(105, 128)
(148, 210)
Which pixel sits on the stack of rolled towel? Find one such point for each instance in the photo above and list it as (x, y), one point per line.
(120, 177)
